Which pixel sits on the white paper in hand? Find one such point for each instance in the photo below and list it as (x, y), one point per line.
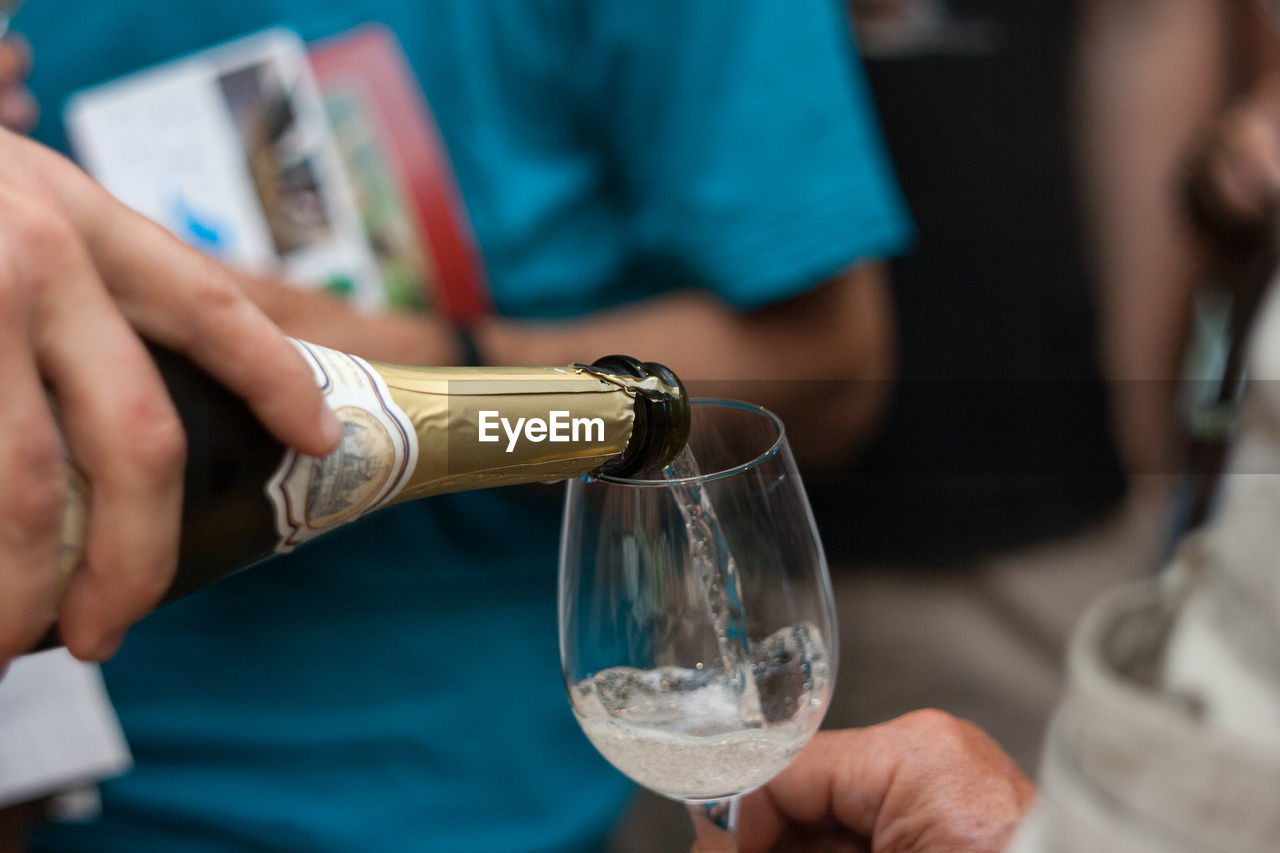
(57, 727)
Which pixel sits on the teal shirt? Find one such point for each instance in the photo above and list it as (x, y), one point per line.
(396, 686)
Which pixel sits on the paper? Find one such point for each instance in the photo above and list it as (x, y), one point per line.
(403, 180)
(57, 727)
(230, 149)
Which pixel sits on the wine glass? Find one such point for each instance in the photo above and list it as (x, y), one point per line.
(697, 625)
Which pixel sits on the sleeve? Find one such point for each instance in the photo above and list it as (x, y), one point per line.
(745, 140)
(57, 727)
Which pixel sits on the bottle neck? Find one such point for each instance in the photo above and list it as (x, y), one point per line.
(484, 427)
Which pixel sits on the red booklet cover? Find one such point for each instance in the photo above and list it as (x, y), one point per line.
(403, 181)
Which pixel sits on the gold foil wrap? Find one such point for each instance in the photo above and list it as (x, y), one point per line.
(445, 406)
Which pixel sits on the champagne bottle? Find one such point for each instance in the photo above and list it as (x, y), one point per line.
(409, 432)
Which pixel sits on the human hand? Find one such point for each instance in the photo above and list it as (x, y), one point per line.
(1234, 184)
(18, 108)
(81, 278)
(925, 782)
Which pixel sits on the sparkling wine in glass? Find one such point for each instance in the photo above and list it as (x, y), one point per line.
(697, 628)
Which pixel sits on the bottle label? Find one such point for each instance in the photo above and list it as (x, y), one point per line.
(376, 458)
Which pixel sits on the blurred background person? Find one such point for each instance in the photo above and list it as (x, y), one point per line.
(995, 500)
(1034, 454)
(1152, 79)
(1165, 738)
(1231, 190)
(701, 184)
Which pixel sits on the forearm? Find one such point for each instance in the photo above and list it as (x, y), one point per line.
(395, 338)
(1152, 76)
(823, 360)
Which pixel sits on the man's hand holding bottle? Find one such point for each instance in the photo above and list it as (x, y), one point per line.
(82, 281)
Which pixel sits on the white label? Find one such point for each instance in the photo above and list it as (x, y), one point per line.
(376, 458)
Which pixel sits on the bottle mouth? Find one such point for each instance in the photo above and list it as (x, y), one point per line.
(662, 418)
(774, 447)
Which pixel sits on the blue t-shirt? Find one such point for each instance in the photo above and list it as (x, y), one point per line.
(396, 686)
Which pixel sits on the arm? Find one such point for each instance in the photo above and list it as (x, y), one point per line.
(925, 781)
(1151, 76)
(81, 278)
(841, 331)
(821, 360)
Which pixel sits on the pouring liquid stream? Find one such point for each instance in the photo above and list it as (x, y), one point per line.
(717, 573)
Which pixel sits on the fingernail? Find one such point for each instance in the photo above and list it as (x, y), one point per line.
(330, 426)
(108, 647)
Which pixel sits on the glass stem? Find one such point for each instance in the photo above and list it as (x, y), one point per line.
(715, 825)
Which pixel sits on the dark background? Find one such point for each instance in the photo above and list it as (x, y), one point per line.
(998, 433)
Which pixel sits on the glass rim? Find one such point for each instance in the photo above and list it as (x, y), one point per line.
(756, 461)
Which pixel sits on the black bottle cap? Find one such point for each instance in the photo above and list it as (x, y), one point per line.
(662, 419)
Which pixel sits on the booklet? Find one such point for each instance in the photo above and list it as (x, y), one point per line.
(321, 167)
(411, 207)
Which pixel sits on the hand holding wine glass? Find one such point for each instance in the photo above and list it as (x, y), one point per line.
(925, 781)
(696, 618)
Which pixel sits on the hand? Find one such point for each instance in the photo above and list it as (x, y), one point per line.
(1234, 184)
(925, 781)
(18, 108)
(81, 278)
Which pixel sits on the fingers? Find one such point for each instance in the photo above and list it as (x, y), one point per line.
(80, 277)
(31, 484)
(803, 795)
(840, 775)
(955, 790)
(118, 422)
(183, 300)
(925, 781)
(123, 430)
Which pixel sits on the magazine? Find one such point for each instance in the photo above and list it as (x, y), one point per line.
(319, 166)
